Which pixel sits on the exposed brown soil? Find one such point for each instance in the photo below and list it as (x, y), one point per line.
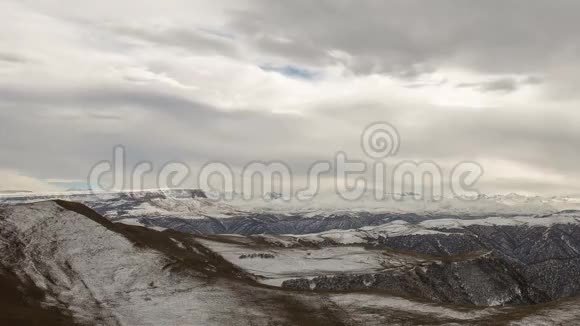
(20, 304)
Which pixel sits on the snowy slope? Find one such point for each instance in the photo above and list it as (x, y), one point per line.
(275, 265)
(111, 274)
(98, 273)
(101, 274)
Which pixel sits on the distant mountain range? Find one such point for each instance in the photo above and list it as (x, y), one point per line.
(177, 257)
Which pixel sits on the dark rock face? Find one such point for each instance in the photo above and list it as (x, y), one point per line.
(270, 223)
(484, 281)
(435, 244)
(525, 265)
(258, 255)
(547, 259)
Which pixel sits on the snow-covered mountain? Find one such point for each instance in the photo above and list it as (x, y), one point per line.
(63, 263)
(510, 204)
(192, 203)
(88, 271)
(191, 211)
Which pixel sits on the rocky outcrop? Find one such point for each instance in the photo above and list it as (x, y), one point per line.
(482, 281)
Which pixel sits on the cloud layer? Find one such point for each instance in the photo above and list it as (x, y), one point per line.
(492, 82)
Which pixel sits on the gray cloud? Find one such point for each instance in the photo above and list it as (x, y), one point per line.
(192, 39)
(199, 93)
(12, 58)
(398, 35)
(166, 127)
(174, 128)
(504, 85)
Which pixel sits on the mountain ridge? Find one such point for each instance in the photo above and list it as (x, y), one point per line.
(90, 270)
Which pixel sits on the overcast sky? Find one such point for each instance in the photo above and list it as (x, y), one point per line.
(492, 81)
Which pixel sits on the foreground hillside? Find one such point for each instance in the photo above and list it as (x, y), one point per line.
(83, 268)
(63, 263)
